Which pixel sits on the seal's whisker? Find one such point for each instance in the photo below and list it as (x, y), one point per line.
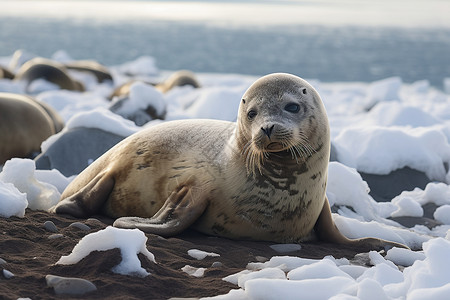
(305, 143)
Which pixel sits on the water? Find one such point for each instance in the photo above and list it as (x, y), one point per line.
(339, 53)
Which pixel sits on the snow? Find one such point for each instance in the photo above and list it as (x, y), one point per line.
(345, 187)
(429, 274)
(404, 257)
(376, 128)
(193, 271)
(381, 150)
(12, 201)
(199, 254)
(142, 96)
(21, 173)
(131, 242)
(442, 214)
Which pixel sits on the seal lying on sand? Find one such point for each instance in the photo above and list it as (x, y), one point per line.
(262, 178)
(24, 124)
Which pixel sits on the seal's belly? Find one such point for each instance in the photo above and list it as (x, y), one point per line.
(266, 214)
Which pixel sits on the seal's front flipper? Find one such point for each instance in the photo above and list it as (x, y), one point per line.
(327, 231)
(181, 209)
(88, 200)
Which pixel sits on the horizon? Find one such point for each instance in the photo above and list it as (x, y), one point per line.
(383, 13)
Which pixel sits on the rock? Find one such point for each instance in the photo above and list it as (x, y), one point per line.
(384, 188)
(7, 274)
(69, 286)
(216, 264)
(55, 236)
(74, 150)
(80, 226)
(50, 226)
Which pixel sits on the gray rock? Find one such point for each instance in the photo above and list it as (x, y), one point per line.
(55, 236)
(50, 226)
(80, 226)
(7, 274)
(76, 149)
(216, 264)
(69, 286)
(384, 188)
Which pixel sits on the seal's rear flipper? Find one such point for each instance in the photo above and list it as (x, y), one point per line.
(180, 210)
(327, 231)
(88, 200)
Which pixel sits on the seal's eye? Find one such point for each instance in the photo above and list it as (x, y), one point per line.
(251, 114)
(292, 107)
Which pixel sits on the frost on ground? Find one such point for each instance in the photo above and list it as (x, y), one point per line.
(376, 128)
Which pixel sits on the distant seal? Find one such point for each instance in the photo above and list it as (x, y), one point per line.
(100, 72)
(51, 71)
(261, 178)
(24, 125)
(179, 78)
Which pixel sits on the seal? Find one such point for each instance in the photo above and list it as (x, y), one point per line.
(100, 72)
(261, 178)
(51, 71)
(24, 125)
(178, 78)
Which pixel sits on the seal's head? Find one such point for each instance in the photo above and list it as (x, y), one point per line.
(280, 115)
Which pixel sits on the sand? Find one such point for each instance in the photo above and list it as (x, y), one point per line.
(31, 255)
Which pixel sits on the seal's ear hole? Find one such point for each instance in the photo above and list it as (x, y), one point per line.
(243, 101)
(304, 91)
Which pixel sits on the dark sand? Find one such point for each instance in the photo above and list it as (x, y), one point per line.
(30, 255)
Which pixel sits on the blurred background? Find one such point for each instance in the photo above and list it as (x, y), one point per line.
(342, 40)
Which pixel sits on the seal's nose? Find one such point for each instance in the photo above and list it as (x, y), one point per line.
(268, 130)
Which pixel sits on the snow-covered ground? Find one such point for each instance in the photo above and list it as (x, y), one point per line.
(376, 127)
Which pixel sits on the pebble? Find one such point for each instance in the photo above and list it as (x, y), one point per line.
(50, 226)
(2, 261)
(69, 286)
(216, 264)
(7, 274)
(94, 221)
(55, 236)
(80, 226)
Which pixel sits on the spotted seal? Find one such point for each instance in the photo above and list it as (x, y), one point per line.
(261, 178)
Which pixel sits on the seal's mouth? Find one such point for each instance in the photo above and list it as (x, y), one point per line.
(275, 146)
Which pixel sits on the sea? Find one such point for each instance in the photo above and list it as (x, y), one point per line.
(331, 49)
